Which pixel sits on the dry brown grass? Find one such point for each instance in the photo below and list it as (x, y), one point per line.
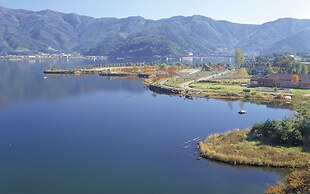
(235, 148)
(298, 181)
(147, 69)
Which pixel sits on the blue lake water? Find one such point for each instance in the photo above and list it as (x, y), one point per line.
(89, 134)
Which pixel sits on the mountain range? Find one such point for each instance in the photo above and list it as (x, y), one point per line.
(30, 32)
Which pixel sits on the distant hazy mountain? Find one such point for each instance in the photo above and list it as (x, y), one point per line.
(27, 32)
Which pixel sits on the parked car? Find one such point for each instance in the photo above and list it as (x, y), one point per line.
(246, 90)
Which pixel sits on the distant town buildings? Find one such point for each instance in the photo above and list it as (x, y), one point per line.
(51, 56)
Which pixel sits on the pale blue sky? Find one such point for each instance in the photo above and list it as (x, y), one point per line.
(241, 11)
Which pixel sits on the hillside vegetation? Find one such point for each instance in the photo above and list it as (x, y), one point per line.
(27, 32)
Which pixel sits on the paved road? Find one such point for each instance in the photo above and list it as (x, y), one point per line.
(186, 85)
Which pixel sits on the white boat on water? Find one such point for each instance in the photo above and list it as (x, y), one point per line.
(242, 112)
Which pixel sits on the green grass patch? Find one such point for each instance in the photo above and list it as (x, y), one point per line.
(300, 91)
(230, 81)
(212, 86)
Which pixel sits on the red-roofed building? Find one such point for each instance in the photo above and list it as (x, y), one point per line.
(300, 81)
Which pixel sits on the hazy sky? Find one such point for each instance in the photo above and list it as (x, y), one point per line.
(241, 11)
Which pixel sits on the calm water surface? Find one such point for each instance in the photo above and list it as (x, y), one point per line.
(89, 134)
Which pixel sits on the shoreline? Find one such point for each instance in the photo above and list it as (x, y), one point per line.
(235, 148)
(261, 98)
(155, 78)
(157, 84)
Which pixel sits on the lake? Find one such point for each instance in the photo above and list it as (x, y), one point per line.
(90, 134)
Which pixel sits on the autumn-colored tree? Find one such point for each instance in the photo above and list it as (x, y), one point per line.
(295, 78)
(298, 181)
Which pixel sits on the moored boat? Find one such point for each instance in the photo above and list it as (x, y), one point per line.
(242, 112)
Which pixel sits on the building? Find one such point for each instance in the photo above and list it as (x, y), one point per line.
(300, 81)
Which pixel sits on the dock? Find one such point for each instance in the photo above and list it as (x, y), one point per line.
(106, 71)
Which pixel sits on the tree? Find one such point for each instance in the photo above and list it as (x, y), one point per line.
(302, 108)
(162, 65)
(239, 58)
(302, 117)
(305, 69)
(283, 61)
(305, 129)
(270, 70)
(242, 72)
(266, 130)
(295, 78)
(291, 131)
(299, 67)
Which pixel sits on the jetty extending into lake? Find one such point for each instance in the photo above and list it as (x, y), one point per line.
(111, 71)
(126, 71)
(58, 71)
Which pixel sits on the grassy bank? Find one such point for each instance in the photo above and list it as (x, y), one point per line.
(222, 91)
(235, 148)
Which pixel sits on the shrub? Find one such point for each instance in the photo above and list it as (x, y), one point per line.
(305, 130)
(289, 133)
(266, 130)
(285, 132)
(281, 96)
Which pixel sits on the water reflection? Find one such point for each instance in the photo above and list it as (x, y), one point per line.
(100, 141)
(24, 81)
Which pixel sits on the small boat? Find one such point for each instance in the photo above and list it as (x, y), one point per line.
(45, 77)
(189, 97)
(242, 112)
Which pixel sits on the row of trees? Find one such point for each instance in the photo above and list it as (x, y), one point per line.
(297, 67)
(292, 131)
(274, 63)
